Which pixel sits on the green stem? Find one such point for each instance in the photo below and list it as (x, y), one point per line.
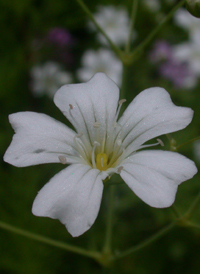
(46, 240)
(132, 24)
(188, 142)
(124, 86)
(193, 207)
(150, 37)
(192, 225)
(176, 212)
(90, 15)
(108, 236)
(147, 242)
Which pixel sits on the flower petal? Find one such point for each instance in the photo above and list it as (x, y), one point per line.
(73, 196)
(150, 114)
(87, 103)
(154, 175)
(39, 139)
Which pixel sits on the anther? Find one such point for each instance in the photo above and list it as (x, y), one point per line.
(62, 159)
(75, 121)
(97, 124)
(160, 142)
(79, 135)
(122, 101)
(96, 143)
(119, 169)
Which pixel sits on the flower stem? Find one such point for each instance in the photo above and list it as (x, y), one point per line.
(188, 142)
(108, 235)
(193, 207)
(132, 24)
(150, 37)
(192, 225)
(175, 211)
(172, 143)
(90, 15)
(46, 240)
(146, 242)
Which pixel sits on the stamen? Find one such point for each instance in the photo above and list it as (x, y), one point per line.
(80, 146)
(62, 159)
(119, 169)
(93, 153)
(117, 157)
(118, 110)
(75, 122)
(119, 142)
(160, 142)
(118, 136)
(115, 139)
(122, 101)
(129, 152)
(79, 135)
(97, 124)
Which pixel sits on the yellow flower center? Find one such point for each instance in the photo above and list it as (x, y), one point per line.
(102, 161)
(101, 147)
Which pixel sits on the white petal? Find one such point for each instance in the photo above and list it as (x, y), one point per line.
(151, 114)
(154, 175)
(38, 139)
(94, 101)
(73, 196)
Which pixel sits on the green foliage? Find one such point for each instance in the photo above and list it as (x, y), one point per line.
(22, 22)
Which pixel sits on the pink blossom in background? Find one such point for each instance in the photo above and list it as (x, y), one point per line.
(178, 73)
(60, 37)
(162, 50)
(170, 67)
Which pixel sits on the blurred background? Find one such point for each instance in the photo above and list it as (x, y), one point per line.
(45, 44)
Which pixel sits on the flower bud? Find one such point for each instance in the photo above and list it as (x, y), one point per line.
(193, 6)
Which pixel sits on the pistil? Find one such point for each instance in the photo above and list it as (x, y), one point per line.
(102, 161)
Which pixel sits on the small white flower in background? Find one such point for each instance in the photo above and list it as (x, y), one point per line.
(187, 21)
(189, 52)
(170, 1)
(48, 78)
(153, 5)
(175, 69)
(102, 60)
(100, 145)
(196, 149)
(114, 21)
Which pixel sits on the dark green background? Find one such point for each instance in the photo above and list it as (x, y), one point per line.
(21, 22)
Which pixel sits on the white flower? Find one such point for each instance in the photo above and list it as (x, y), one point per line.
(196, 148)
(189, 52)
(192, 24)
(48, 78)
(114, 21)
(100, 145)
(153, 5)
(102, 60)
